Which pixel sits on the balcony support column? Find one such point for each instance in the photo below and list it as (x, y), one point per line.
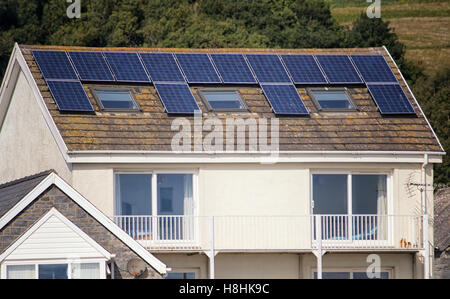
(211, 253)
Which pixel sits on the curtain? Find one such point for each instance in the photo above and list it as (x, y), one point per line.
(118, 204)
(21, 272)
(382, 206)
(86, 271)
(188, 208)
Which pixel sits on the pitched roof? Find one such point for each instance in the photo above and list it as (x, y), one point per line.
(150, 129)
(12, 192)
(20, 193)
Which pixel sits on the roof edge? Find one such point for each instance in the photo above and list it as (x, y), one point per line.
(54, 179)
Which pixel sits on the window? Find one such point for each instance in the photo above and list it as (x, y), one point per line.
(223, 100)
(351, 275)
(351, 206)
(155, 206)
(181, 275)
(115, 99)
(332, 99)
(54, 271)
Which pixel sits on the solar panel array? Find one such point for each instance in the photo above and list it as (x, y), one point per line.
(303, 69)
(373, 68)
(276, 75)
(162, 67)
(390, 99)
(233, 68)
(198, 68)
(55, 65)
(339, 69)
(91, 66)
(268, 68)
(127, 67)
(177, 98)
(284, 99)
(70, 96)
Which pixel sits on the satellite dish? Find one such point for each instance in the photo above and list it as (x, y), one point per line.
(136, 267)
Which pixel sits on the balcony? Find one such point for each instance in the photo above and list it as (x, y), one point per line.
(296, 233)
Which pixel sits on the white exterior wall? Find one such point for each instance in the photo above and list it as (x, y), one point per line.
(255, 189)
(26, 144)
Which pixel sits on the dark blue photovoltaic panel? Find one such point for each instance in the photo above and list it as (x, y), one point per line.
(177, 98)
(70, 96)
(233, 68)
(91, 66)
(338, 69)
(198, 68)
(268, 68)
(284, 99)
(127, 67)
(373, 68)
(303, 69)
(390, 99)
(162, 67)
(55, 65)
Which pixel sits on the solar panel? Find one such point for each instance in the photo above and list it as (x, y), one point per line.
(303, 69)
(198, 68)
(233, 68)
(55, 65)
(338, 69)
(284, 99)
(390, 99)
(268, 68)
(177, 98)
(162, 67)
(127, 67)
(70, 96)
(373, 68)
(91, 66)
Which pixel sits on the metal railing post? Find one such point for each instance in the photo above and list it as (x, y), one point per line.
(211, 244)
(319, 246)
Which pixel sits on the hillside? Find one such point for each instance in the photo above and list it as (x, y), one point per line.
(423, 26)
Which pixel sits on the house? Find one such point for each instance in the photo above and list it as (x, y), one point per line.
(233, 163)
(48, 230)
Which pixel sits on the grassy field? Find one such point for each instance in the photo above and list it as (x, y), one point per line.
(422, 25)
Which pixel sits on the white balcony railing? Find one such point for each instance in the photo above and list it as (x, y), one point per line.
(275, 233)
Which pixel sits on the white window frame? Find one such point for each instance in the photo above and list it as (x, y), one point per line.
(154, 202)
(349, 173)
(154, 182)
(68, 262)
(196, 271)
(352, 270)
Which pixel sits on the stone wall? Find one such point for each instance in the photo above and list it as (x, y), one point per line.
(54, 197)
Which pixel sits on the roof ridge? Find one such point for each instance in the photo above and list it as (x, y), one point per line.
(27, 178)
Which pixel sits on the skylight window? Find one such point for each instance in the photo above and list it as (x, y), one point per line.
(115, 99)
(223, 100)
(332, 99)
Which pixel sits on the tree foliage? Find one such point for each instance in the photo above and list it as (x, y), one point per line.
(211, 24)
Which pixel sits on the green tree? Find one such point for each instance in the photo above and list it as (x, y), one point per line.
(374, 32)
(433, 94)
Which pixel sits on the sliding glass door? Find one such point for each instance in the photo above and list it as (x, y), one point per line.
(155, 206)
(351, 206)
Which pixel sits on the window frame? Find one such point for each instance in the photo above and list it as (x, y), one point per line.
(68, 262)
(349, 173)
(94, 91)
(204, 99)
(154, 191)
(316, 103)
(352, 270)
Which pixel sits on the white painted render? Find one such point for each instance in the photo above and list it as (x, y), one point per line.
(255, 189)
(26, 144)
